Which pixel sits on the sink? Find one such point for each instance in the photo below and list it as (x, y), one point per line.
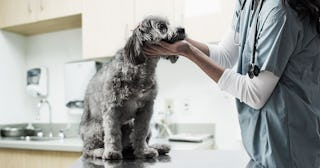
(17, 132)
(25, 134)
(37, 138)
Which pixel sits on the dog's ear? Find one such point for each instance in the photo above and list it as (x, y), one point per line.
(133, 50)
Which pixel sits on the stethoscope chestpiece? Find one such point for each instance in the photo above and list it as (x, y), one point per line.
(253, 71)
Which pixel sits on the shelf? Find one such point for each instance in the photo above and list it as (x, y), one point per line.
(68, 22)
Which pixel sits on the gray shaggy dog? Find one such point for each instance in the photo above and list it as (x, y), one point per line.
(119, 99)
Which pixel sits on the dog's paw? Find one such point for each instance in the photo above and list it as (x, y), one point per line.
(97, 153)
(112, 155)
(161, 148)
(150, 153)
(147, 153)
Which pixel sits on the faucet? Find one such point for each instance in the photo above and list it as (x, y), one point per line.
(162, 129)
(40, 104)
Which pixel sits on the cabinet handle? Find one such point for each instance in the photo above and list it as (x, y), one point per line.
(29, 7)
(41, 5)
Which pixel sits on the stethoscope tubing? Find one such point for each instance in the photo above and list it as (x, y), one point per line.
(253, 70)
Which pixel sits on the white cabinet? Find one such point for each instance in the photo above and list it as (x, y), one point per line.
(50, 9)
(39, 16)
(15, 12)
(166, 8)
(207, 20)
(107, 24)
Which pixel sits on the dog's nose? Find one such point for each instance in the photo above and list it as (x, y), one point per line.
(180, 30)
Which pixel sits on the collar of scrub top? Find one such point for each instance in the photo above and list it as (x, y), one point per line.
(253, 70)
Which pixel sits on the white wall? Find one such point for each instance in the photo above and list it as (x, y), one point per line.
(183, 83)
(53, 50)
(12, 78)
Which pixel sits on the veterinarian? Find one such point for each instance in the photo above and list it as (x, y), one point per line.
(276, 46)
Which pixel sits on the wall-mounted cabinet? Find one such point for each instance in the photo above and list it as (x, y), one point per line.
(108, 24)
(30, 17)
(17, 12)
(167, 8)
(105, 26)
(207, 20)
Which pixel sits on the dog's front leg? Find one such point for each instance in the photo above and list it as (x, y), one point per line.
(140, 132)
(112, 135)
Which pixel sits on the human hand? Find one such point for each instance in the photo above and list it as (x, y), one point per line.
(167, 49)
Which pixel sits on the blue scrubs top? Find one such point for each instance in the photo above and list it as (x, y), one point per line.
(285, 133)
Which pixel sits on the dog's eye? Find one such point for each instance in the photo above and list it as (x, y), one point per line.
(163, 27)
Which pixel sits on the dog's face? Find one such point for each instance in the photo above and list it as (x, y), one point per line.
(152, 30)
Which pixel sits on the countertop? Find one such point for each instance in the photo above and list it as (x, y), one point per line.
(176, 159)
(75, 144)
(68, 144)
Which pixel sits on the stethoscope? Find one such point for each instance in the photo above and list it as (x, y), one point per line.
(253, 69)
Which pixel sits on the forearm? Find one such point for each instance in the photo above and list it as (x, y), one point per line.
(212, 69)
(201, 46)
(226, 52)
(254, 92)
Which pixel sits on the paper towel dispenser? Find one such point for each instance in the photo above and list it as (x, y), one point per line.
(37, 82)
(77, 77)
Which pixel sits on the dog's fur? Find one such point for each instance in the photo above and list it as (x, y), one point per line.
(119, 98)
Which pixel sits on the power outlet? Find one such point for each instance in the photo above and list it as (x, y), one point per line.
(186, 106)
(169, 106)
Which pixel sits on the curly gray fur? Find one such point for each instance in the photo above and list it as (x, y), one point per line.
(119, 98)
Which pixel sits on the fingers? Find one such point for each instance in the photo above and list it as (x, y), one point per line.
(151, 50)
(163, 48)
(165, 44)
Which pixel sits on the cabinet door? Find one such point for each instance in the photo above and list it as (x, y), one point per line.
(207, 20)
(17, 12)
(21, 158)
(165, 8)
(50, 9)
(105, 26)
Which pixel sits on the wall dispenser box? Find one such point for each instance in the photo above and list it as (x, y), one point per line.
(37, 82)
(77, 76)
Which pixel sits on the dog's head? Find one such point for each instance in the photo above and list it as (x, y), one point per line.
(151, 30)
